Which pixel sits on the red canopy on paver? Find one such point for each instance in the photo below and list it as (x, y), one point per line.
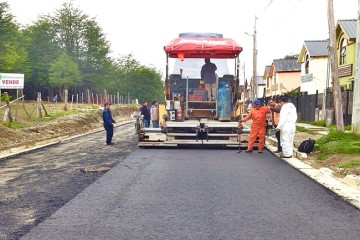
(202, 48)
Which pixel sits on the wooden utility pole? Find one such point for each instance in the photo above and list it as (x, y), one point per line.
(335, 69)
(356, 96)
(254, 85)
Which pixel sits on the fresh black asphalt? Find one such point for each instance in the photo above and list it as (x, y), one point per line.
(202, 194)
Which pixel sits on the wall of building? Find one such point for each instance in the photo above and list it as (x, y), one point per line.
(350, 59)
(318, 68)
(287, 81)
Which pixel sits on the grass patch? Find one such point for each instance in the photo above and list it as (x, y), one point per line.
(58, 114)
(350, 164)
(322, 157)
(337, 142)
(323, 124)
(318, 123)
(346, 127)
(14, 125)
(302, 129)
(27, 110)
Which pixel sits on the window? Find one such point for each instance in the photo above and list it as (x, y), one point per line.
(307, 64)
(343, 44)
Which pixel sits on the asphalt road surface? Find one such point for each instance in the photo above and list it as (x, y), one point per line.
(174, 194)
(35, 184)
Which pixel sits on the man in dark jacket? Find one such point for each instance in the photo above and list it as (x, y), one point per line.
(146, 112)
(108, 123)
(208, 74)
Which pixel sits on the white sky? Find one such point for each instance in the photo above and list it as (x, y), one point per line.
(144, 27)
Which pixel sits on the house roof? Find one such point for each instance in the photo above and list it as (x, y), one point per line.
(286, 65)
(349, 27)
(260, 80)
(315, 48)
(267, 71)
(267, 68)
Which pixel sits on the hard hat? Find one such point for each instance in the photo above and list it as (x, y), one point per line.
(257, 102)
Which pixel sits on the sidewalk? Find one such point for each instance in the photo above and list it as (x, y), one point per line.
(348, 187)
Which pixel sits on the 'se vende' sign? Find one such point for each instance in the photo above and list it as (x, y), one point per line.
(11, 81)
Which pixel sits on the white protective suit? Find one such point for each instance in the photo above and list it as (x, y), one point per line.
(288, 117)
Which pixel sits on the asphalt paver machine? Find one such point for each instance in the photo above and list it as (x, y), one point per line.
(190, 117)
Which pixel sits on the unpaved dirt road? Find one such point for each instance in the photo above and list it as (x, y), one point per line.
(34, 185)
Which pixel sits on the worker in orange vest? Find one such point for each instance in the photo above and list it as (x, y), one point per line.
(258, 126)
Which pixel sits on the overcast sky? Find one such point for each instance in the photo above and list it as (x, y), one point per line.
(143, 27)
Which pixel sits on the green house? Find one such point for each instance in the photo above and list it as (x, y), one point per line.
(346, 43)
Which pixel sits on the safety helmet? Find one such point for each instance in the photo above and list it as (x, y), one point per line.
(256, 102)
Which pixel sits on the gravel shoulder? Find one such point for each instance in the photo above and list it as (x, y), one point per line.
(44, 132)
(34, 186)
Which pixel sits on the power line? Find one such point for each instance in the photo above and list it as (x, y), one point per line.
(293, 5)
(268, 5)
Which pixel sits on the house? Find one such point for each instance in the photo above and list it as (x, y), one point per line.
(346, 43)
(283, 76)
(315, 74)
(261, 87)
(267, 78)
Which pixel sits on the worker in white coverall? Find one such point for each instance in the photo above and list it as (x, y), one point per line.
(287, 127)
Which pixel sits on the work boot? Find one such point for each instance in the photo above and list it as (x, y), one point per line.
(248, 151)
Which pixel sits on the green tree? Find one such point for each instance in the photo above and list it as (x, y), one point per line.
(123, 66)
(12, 54)
(64, 73)
(129, 77)
(145, 83)
(114, 78)
(69, 50)
(95, 61)
(292, 56)
(83, 40)
(42, 51)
